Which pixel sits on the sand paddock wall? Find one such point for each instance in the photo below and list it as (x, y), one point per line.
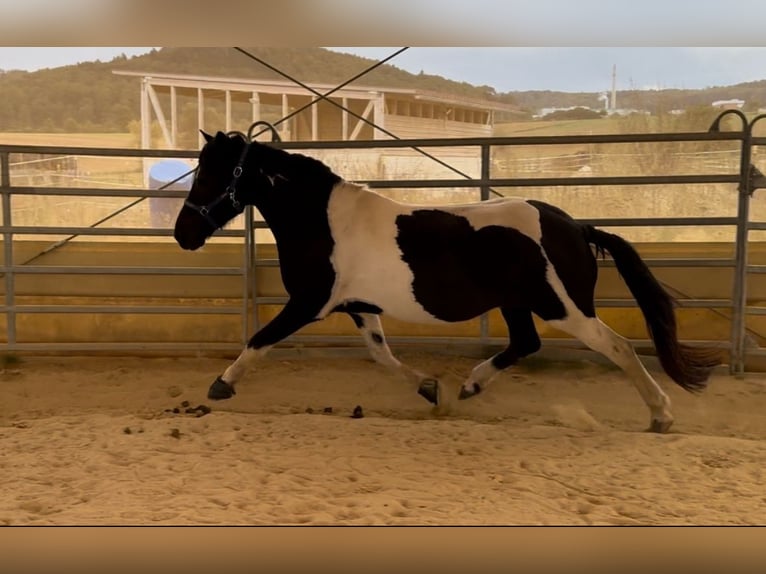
(225, 329)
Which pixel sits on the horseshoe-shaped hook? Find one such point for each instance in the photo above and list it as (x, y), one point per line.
(716, 125)
(269, 127)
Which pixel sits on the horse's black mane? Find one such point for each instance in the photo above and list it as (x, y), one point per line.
(294, 167)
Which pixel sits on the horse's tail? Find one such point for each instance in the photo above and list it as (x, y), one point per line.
(688, 366)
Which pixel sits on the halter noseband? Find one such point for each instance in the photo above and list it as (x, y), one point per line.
(230, 192)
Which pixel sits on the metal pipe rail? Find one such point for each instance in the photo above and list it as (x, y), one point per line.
(251, 300)
(11, 271)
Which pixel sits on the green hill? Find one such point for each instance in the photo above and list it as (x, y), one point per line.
(88, 97)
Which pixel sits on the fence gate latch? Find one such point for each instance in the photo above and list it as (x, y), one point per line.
(755, 180)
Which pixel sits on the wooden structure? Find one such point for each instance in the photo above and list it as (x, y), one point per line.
(408, 113)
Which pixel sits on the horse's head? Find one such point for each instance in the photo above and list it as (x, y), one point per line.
(233, 173)
(216, 196)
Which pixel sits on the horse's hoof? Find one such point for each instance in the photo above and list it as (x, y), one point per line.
(220, 390)
(429, 390)
(659, 426)
(467, 394)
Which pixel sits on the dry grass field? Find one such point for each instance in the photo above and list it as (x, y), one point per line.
(554, 160)
(91, 171)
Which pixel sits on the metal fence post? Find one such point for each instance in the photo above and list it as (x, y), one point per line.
(248, 273)
(485, 175)
(10, 298)
(737, 364)
(256, 323)
(739, 294)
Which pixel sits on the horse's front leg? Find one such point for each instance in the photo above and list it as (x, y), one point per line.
(292, 317)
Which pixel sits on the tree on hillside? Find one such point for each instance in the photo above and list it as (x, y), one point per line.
(96, 99)
(578, 113)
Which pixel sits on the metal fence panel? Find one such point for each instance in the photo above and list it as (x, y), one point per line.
(746, 180)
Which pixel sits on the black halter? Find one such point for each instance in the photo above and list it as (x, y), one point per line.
(229, 193)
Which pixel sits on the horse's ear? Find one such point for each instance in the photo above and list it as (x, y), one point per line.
(208, 137)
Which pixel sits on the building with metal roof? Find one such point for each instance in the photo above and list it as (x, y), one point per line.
(407, 113)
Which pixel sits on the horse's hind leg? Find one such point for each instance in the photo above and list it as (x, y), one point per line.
(599, 337)
(372, 332)
(524, 341)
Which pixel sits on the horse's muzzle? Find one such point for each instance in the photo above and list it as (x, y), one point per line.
(189, 244)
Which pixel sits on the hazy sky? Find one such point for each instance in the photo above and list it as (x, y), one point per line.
(36, 58)
(509, 69)
(583, 69)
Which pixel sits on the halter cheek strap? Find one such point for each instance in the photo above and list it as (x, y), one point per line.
(229, 193)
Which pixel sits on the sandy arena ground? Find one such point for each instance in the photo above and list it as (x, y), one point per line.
(90, 441)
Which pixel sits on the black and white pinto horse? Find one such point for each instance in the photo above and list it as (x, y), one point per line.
(344, 248)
